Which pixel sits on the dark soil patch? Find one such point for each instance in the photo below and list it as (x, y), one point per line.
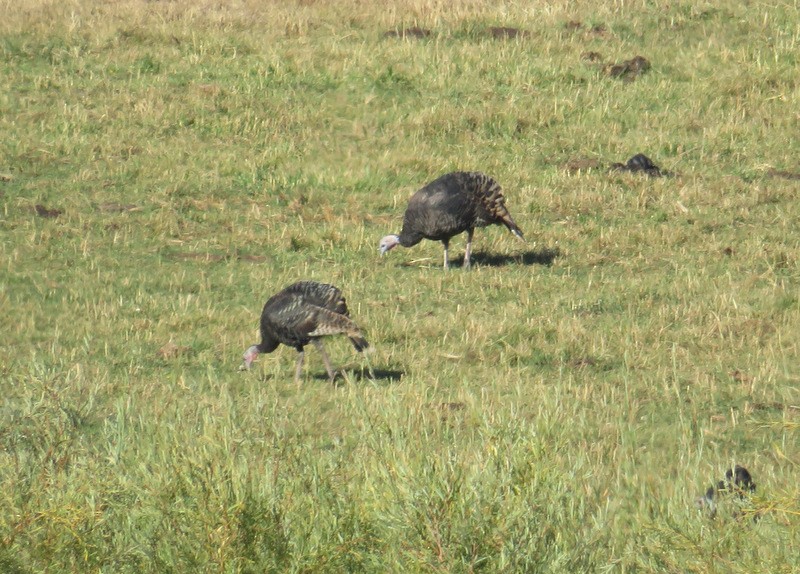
(581, 362)
(791, 175)
(577, 25)
(741, 377)
(789, 410)
(42, 211)
(592, 57)
(506, 33)
(455, 406)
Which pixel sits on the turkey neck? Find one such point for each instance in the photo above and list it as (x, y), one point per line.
(267, 344)
(409, 238)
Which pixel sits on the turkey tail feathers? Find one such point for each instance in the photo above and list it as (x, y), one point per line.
(360, 343)
(514, 229)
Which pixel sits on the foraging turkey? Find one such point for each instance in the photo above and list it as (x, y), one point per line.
(737, 482)
(454, 203)
(301, 314)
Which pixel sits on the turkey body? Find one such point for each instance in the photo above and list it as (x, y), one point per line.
(450, 205)
(303, 313)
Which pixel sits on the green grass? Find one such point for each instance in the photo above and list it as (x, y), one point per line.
(528, 415)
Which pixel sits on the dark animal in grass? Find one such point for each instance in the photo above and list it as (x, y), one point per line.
(639, 163)
(629, 69)
(454, 203)
(303, 313)
(737, 482)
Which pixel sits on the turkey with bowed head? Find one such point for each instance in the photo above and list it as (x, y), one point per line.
(454, 203)
(303, 313)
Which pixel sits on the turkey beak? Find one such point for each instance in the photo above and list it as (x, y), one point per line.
(246, 362)
(248, 357)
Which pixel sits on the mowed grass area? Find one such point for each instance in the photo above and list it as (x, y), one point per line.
(557, 408)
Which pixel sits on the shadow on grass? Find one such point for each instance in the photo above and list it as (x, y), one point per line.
(384, 376)
(544, 256)
(381, 376)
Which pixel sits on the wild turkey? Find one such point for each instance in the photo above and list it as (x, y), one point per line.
(454, 203)
(301, 314)
(737, 482)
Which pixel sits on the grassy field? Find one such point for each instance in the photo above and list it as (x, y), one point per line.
(166, 166)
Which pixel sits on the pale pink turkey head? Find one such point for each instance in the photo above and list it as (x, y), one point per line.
(388, 242)
(249, 356)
